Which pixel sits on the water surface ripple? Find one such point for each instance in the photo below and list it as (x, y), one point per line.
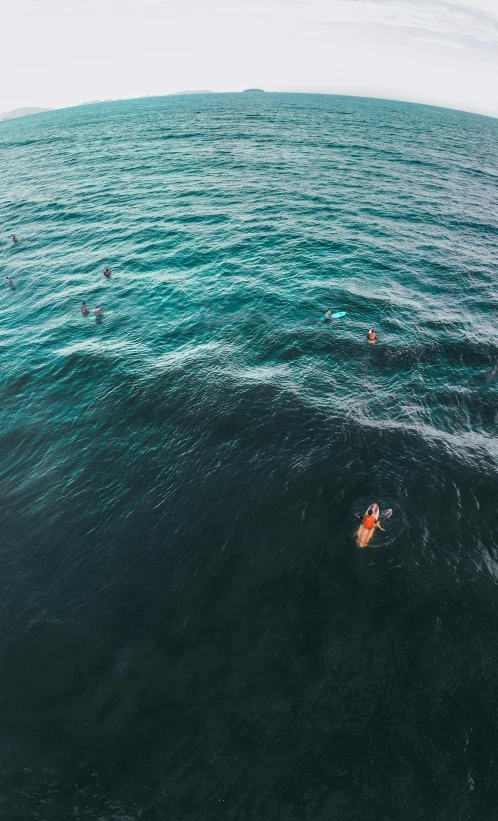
(187, 627)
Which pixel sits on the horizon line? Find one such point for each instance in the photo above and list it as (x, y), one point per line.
(205, 92)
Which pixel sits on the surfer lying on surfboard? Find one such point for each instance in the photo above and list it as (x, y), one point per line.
(370, 521)
(329, 316)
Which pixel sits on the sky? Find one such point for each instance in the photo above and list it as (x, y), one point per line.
(58, 53)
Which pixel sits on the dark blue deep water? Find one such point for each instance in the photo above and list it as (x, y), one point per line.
(188, 629)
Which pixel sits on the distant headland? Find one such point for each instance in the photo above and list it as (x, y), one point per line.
(254, 91)
(22, 112)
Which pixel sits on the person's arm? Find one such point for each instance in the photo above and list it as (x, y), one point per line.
(378, 524)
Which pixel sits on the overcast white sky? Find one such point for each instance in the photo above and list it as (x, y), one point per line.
(64, 52)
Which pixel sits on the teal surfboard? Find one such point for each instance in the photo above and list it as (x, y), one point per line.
(337, 315)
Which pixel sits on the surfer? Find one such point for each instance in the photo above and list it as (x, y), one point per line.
(84, 309)
(371, 335)
(370, 519)
(14, 239)
(10, 282)
(329, 316)
(98, 312)
(107, 272)
(369, 523)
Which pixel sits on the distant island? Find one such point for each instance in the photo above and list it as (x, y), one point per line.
(25, 112)
(22, 112)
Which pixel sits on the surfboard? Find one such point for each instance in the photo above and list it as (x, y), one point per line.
(366, 533)
(337, 315)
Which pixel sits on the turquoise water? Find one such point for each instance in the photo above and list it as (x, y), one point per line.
(188, 628)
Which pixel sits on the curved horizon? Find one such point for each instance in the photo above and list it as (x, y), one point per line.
(36, 110)
(434, 52)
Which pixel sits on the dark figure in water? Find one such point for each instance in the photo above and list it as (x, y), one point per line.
(107, 272)
(10, 282)
(84, 309)
(371, 335)
(14, 239)
(98, 312)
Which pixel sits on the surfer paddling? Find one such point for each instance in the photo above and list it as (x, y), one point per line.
(371, 335)
(370, 521)
(329, 316)
(107, 273)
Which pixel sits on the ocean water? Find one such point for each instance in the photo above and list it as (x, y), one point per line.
(188, 629)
